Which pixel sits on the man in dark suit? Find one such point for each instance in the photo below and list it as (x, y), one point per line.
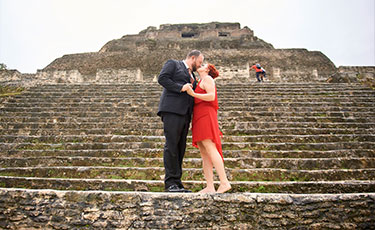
(175, 109)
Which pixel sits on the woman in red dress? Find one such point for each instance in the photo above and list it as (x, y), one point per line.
(205, 128)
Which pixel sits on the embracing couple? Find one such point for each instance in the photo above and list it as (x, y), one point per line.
(183, 97)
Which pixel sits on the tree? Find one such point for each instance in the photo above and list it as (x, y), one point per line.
(3, 66)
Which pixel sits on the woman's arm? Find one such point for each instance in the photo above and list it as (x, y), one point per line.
(209, 86)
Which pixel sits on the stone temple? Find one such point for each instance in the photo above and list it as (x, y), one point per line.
(81, 146)
(231, 48)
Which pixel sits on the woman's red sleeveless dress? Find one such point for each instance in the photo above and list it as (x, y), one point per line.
(205, 124)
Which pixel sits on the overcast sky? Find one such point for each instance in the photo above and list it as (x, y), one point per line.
(33, 33)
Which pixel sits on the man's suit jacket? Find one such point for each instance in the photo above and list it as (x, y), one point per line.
(173, 76)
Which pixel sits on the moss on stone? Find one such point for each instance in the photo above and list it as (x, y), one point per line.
(6, 91)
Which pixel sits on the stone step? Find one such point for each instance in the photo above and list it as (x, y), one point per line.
(300, 117)
(8, 139)
(157, 173)
(323, 110)
(227, 95)
(89, 107)
(54, 209)
(193, 153)
(152, 99)
(223, 99)
(279, 125)
(226, 86)
(301, 138)
(244, 88)
(157, 130)
(223, 102)
(147, 85)
(135, 95)
(241, 162)
(266, 84)
(143, 107)
(155, 122)
(230, 99)
(152, 144)
(296, 187)
(92, 131)
(222, 116)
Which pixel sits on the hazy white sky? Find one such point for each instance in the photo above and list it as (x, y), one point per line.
(33, 33)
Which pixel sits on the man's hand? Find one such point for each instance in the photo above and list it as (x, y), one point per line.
(190, 91)
(186, 87)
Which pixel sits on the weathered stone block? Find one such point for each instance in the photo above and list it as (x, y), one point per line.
(181, 211)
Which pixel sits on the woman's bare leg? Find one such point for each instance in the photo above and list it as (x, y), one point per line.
(207, 170)
(218, 163)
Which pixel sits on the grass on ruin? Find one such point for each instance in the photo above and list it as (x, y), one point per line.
(320, 114)
(6, 91)
(15, 174)
(155, 189)
(263, 189)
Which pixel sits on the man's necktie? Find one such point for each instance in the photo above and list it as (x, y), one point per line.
(191, 76)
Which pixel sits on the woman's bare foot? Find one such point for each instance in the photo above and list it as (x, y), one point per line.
(207, 190)
(224, 187)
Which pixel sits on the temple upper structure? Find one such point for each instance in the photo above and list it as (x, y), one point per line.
(231, 48)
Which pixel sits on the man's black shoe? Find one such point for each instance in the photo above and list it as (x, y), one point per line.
(175, 188)
(185, 190)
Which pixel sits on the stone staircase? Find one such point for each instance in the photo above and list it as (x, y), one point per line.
(297, 138)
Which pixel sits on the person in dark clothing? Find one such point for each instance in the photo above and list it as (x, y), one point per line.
(175, 109)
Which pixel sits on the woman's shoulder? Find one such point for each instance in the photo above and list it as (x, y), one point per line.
(208, 82)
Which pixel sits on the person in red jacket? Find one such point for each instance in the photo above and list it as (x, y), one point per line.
(258, 71)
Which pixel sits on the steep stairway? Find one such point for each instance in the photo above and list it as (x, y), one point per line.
(299, 156)
(278, 138)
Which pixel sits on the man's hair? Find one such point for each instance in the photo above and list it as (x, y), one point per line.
(195, 53)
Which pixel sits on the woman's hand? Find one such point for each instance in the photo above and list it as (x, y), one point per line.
(185, 87)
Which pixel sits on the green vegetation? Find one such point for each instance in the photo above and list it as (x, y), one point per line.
(156, 189)
(197, 188)
(3, 66)
(6, 91)
(116, 177)
(260, 189)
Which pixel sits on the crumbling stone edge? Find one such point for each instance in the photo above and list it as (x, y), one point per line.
(54, 209)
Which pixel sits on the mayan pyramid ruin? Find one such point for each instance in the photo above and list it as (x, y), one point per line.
(81, 146)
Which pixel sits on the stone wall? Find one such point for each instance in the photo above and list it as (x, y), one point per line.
(232, 74)
(189, 36)
(228, 73)
(200, 30)
(291, 65)
(10, 75)
(15, 78)
(354, 74)
(102, 76)
(51, 209)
